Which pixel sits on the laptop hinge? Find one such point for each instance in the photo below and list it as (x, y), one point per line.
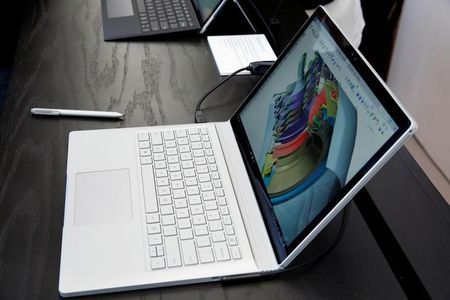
(253, 221)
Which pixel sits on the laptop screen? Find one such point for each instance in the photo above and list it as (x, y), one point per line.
(312, 124)
(205, 8)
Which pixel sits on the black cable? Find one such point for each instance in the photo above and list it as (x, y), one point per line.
(199, 118)
(255, 68)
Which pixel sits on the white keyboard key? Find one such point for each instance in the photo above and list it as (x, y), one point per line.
(198, 153)
(186, 234)
(159, 250)
(170, 144)
(158, 149)
(206, 186)
(169, 135)
(220, 192)
(176, 176)
(222, 201)
(188, 164)
(166, 209)
(172, 252)
(171, 151)
(217, 184)
(204, 177)
(201, 230)
(162, 181)
(143, 136)
(184, 149)
(205, 255)
(195, 138)
(215, 226)
(168, 220)
(182, 213)
(193, 190)
(186, 156)
(210, 205)
(205, 138)
(170, 230)
(152, 218)
(226, 220)
(156, 138)
(152, 251)
(189, 253)
(144, 152)
(224, 210)
(229, 230)
(179, 194)
(195, 200)
(190, 181)
(173, 159)
(161, 173)
(174, 167)
(181, 133)
(213, 215)
(197, 145)
(154, 239)
(207, 145)
(149, 189)
(202, 169)
(203, 130)
(235, 253)
(165, 200)
(196, 209)
(200, 161)
(159, 157)
(198, 220)
(203, 241)
(184, 223)
(183, 141)
(153, 228)
(163, 190)
(215, 175)
(180, 203)
(189, 173)
(221, 251)
(211, 160)
(157, 263)
(193, 131)
(208, 196)
(218, 236)
(160, 164)
(177, 184)
(146, 160)
(209, 152)
(232, 241)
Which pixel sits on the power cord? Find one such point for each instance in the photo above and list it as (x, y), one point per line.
(255, 68)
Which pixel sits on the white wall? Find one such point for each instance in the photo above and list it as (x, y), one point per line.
(420, 73)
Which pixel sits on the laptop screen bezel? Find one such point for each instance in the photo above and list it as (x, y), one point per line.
(281, 249)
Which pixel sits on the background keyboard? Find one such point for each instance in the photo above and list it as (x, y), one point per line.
(166, 15)
(189, 222)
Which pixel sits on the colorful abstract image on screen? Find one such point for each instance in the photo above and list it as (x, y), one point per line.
(311, 131)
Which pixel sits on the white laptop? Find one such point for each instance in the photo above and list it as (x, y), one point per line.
(169, 205)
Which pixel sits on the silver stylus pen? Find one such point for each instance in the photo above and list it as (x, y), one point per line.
(76, 113)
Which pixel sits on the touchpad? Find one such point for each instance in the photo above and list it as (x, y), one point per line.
(102, 197)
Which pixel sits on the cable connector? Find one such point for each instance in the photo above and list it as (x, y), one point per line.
(200, 117)
(260, 67)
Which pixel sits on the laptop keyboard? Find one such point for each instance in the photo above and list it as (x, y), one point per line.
(189, 222)
(166, 15)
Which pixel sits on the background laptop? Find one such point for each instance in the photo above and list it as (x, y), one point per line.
(168, 205)
(136, 18)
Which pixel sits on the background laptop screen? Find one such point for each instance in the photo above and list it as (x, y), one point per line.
(205, 7)
(312, 125)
